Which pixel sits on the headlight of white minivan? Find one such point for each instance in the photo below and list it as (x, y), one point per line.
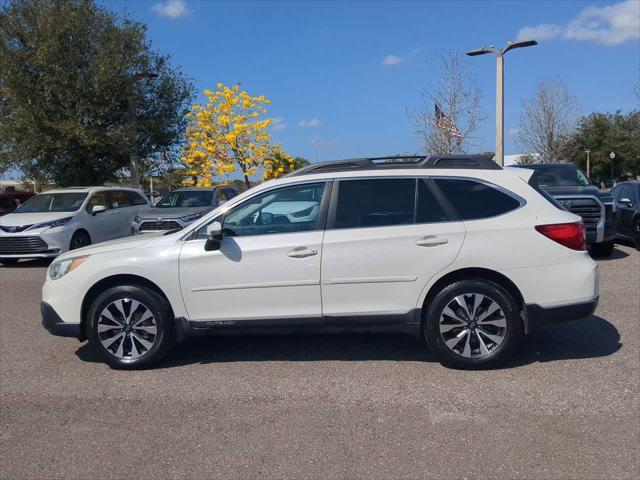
(52, 224)
(192, 217)
(60, 268)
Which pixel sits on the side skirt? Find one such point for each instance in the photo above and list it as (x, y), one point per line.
(406, 323)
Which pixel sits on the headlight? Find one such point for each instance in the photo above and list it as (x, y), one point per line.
(191, 218)
(60, 268)
(52, 224)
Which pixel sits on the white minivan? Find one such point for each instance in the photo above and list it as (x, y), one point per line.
(452, 248)
(66, 219)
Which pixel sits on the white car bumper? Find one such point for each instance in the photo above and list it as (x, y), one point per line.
(44, 243)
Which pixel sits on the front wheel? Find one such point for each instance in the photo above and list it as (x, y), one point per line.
(602, 250)
(79, 239)
(131, 326)
(472, 324)
(636, 235)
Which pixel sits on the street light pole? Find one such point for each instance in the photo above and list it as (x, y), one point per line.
(588, 163)
(134, 167)
(612, 156)
(500, 88)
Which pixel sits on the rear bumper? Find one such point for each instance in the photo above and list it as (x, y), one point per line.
(54, 324)
(538, 317)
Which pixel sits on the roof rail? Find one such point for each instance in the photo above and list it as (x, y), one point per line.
(476, 162)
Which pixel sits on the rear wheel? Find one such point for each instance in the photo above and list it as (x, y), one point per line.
(79, 239)
(131, 326)
(602, 250)
(472, 324)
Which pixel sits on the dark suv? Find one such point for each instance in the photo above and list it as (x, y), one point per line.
(572, 189)
(10, 200)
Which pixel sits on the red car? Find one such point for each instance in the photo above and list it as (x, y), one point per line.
(11, 200)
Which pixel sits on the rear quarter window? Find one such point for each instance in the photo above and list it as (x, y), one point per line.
(474, 200)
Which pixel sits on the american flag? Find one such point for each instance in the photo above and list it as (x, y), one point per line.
(444, 122)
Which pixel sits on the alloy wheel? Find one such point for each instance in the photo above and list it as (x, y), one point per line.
(127, 329)
(473, 325)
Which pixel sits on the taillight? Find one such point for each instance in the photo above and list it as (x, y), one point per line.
(571, 235)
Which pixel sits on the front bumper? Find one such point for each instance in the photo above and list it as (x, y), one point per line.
(47, 243)
(538, 317)
(54, 324)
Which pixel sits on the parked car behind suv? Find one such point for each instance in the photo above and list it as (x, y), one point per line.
(180, 207)
(10, 200)
(627, 198)
(571, 187)
(65, 219)
(452, 248)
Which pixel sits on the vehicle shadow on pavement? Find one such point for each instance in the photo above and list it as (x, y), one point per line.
(616, 255)
(37, 263)
(591, 338)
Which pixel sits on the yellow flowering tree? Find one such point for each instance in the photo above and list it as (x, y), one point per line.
(226, 134)
(278, 164)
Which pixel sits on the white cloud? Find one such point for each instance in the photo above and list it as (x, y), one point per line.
(278, 124)
(314, 122)
(172, 9)
(609, 25)
(391, 60)
(513, 132)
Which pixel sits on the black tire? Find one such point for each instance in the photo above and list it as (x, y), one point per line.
(9, 262)
(155, 304)
(79, 239)
(489, 295)
(636, 235)
(602, 250)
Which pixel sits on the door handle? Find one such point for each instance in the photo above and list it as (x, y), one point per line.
(431, 241)
(302, 252)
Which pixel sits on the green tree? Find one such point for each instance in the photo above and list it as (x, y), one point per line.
(602, 133)
(82, 94)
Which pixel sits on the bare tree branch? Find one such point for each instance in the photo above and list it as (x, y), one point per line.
(548, 121)
(457, 94)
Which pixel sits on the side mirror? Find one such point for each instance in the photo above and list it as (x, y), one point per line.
(214, 237)
(97, 209)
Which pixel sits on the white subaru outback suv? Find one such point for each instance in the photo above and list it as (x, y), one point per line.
(453, 248)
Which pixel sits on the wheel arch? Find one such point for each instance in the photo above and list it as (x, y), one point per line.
(474, 273)
(112, 281)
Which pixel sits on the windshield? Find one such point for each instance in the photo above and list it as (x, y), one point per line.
(561, 177)
(53, 202)
(186, 198)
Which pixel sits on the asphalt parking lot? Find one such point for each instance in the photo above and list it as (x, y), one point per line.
(324, 406)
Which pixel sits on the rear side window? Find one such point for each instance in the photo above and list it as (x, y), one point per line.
(375, 203)
(135, 198)
(428, 209)
(474, 200)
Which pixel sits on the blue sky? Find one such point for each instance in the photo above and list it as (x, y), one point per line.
(323, 63)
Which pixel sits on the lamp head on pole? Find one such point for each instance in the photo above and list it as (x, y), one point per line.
(612, 155)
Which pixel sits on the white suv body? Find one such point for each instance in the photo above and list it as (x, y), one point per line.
(59, 220)
(472, 257)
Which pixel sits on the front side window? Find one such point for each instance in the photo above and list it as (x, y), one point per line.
(474, 200)
(53, 202)
(186, 198)
(285, 210)
(99, 198)
(375, 203)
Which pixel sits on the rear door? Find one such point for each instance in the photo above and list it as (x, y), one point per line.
(625, 219)
(385, 239)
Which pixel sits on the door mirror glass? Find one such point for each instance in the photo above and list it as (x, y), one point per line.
(97, 209)
(214, 236)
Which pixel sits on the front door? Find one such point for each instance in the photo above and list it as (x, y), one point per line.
(389, 237)
(268, 266)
